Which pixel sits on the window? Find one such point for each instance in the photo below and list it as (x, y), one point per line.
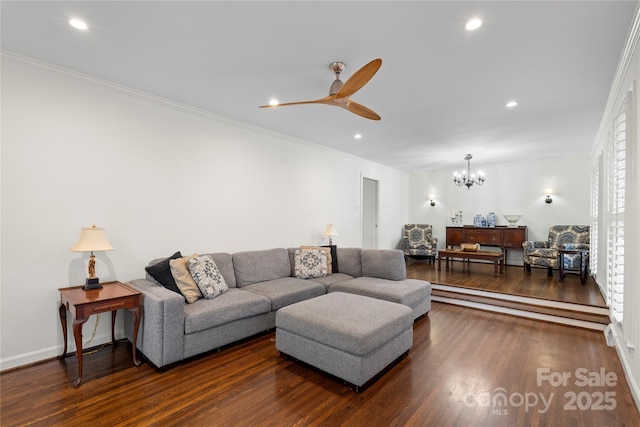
(616, 207)
(595, 209)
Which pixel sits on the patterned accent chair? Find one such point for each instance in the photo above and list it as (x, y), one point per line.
(418, 242)
(546, 254)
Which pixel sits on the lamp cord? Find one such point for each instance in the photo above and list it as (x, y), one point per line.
(93, 334)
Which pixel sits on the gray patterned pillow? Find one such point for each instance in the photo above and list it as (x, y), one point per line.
(207, 276)
(310, 263)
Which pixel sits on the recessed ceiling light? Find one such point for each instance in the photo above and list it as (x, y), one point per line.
(273, 102)
(511, 104)
(473, 24)
(78, 24)
(357, 136)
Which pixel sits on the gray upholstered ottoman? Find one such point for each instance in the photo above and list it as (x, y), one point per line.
(350, 336)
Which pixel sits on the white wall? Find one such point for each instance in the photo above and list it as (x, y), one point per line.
(516, 188)
(160, 177)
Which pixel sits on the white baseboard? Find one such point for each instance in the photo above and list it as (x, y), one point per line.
(50, 352)
(623, 355)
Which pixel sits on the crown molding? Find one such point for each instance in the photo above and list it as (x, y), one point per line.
(624, 64)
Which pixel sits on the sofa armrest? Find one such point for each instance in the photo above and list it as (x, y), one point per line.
(161, 332)
(405, 242)
(431, 243)
(530, 245)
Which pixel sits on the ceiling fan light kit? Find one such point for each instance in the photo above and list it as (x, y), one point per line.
(340, 92)
(336, 68)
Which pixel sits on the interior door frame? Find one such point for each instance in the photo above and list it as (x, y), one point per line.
(364, 207)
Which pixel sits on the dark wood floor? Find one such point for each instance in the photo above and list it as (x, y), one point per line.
(515, 281)
(461, 361)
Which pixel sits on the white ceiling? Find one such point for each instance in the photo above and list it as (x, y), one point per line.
(441, 90)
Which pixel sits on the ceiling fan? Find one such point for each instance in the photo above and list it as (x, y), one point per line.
(339, 92)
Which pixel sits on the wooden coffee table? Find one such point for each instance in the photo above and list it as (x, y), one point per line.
(496, 257)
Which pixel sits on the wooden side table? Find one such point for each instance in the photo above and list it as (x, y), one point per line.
(83, 303)
(583, 256)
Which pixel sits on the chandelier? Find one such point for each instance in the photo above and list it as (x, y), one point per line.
(467, 178)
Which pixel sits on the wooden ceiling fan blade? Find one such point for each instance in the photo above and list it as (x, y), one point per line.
(359, 79)
(325, 100)
(361, 110)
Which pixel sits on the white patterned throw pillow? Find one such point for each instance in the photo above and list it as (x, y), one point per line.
(310, 263)
(207, 276)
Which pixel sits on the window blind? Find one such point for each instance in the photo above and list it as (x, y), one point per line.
(616, 207)
(595, 216)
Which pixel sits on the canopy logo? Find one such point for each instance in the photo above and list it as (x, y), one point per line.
(595, 400)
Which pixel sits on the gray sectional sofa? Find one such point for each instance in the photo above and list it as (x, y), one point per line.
(260, 283)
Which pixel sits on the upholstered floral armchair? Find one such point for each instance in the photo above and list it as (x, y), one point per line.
(546, 253)
(418, 241)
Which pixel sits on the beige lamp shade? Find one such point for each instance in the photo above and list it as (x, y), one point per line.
(330, 230)
(92, 239)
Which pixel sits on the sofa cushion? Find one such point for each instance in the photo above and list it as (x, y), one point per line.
(330, 279)
(409, 292)
(188, 287)
(258, 266)
(224, 261)
(349, 261)
(206, 274)
(384, 264)
(310, 263)
(232, 305)
(544, 253)
(161, 272)
(286, 290)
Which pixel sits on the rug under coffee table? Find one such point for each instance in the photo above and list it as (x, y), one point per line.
(350, 336)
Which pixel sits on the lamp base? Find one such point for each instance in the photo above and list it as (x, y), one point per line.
(92, 283)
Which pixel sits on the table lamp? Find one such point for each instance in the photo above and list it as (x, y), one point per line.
(330, 231)
(92, 239)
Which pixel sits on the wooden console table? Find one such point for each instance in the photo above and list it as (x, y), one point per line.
(501, 236)
(496, 257)
(83, 303)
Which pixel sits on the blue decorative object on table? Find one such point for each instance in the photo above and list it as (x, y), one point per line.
(479, 221)
(491, 219)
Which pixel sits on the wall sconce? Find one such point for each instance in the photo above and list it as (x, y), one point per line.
(548, 192)
(431, 197)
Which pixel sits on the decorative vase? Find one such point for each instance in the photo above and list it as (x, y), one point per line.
(491, 219)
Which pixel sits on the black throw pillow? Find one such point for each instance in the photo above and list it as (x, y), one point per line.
(334, 258)
(162, 273)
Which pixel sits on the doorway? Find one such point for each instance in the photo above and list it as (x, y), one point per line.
(369, 213)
